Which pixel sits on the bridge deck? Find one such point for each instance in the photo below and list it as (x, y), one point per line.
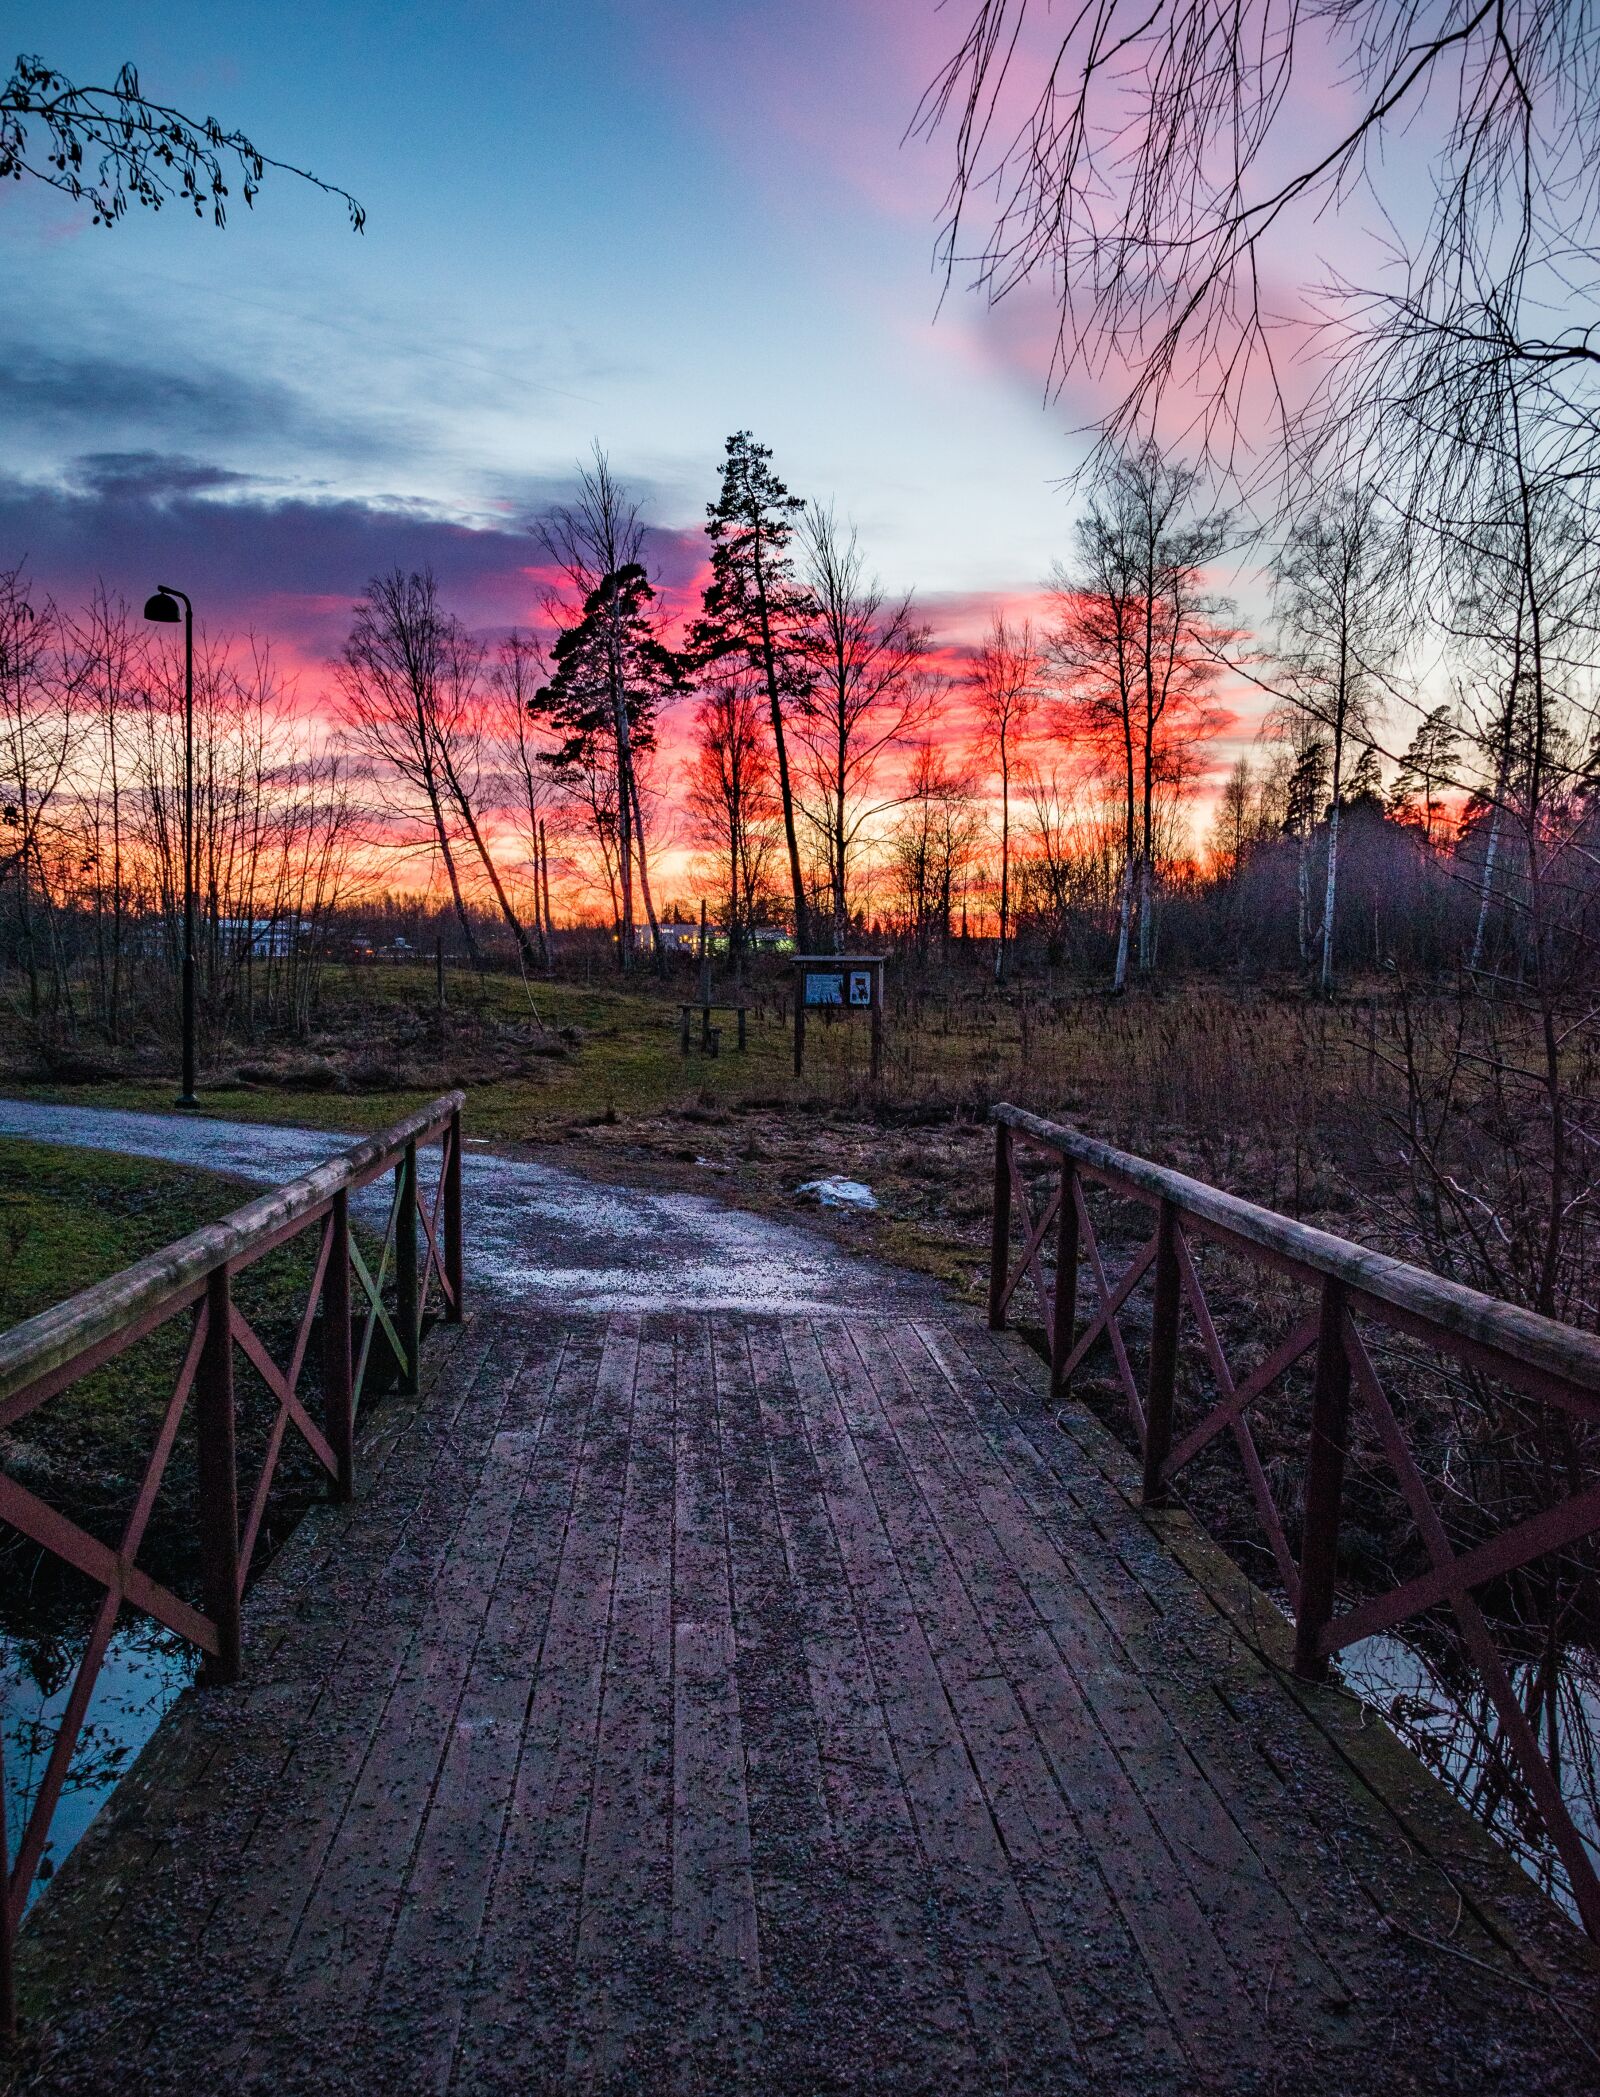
(704, 1701)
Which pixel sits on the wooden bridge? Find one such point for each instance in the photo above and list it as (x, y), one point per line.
(718, 1701)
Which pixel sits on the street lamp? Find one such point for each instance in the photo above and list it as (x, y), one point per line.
(163, 610)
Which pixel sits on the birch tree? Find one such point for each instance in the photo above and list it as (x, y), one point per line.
(1338, 639)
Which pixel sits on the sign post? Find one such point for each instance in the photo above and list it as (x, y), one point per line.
(838, 983)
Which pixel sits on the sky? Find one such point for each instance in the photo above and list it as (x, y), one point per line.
(636, 222)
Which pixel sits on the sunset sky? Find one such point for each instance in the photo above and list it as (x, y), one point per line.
(644, 223)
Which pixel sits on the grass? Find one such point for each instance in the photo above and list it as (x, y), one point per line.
(1256, 1088)
(69, 1218)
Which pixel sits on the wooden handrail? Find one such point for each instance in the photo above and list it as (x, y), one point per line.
(1523, 1339)
(1555, 1363)
(128, 1301)
(48, 1354)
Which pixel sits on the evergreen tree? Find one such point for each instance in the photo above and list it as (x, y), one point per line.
(754, 608)
(1366, 781)
(613, 647)
(1426, 770)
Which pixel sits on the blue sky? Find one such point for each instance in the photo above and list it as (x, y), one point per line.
(642, 223)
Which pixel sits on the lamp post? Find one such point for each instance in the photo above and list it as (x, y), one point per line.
(162, 609)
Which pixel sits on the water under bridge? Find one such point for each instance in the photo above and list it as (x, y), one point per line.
(789, 1693)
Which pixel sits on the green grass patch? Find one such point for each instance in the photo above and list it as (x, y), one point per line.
(71, 1218)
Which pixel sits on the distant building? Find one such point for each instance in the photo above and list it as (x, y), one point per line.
(264, 937)
(685, 938)
(679, 939)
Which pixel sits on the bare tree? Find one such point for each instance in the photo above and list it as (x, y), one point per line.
(395, 678)
(37, 689)
(1160, 165)
(731, 798)
(460, 715)
(1005, 682)
(111, 657)
(1338, 634)
(931, 849)
(869, 691)
(1135, 642)
(519, 671)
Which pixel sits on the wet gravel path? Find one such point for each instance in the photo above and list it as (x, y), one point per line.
(538, 1237)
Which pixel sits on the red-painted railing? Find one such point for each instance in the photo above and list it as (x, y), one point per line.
(41, 1359)
(1353, 1293)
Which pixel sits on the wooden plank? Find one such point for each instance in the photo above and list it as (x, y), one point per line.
(221, 1831)
(1211, 1924)
(1351, 1868)
(1047, 1769)
(622, 1992)
(875, 1954)
(824, 1995)
(516, 2025)
(1018, 2021)
(714, 1936)
(364, 1767)
(439, 1915)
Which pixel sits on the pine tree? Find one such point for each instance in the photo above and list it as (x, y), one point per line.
(1366, 781)
(614, 646)
(1426, 769)
(754, 607)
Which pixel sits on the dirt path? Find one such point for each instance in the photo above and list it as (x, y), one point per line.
(538, 1236)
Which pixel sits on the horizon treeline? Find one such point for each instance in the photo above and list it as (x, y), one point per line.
(827, 768)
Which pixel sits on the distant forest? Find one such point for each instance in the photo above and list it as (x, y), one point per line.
(1419, 794)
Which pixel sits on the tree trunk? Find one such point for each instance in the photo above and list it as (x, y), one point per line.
(769, 664)
(1005, 866)
(1119, 977)
(644, 874)
(1331, 890)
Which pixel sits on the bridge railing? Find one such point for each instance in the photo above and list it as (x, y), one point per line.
(1350, 1298)
(361, 1311)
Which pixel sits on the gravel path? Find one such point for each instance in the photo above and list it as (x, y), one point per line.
(538, 1237)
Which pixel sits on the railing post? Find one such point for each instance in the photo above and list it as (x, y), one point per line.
(218, 1480)
(1000, 1239)
(339, 1408)
(1065, 1308)
(1319, 1543)
(405, 1269)
(8, 1985)
(1163, 1381)
(454, 1248)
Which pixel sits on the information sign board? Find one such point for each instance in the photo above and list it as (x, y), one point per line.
(838, 983)
(825, 986)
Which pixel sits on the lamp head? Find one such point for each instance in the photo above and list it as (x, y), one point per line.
(163, 610)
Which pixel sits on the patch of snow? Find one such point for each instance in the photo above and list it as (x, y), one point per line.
(840, 1194)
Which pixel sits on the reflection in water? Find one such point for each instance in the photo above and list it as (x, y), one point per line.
(1456, 1731)
(144, 1671)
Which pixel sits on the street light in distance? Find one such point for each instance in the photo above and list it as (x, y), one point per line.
(162, 610)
